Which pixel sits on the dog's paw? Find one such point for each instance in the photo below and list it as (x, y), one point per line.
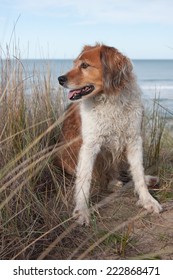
(150, 204)
(81, 215)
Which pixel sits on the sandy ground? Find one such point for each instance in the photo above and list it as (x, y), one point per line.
(119, 229)
(144, 235)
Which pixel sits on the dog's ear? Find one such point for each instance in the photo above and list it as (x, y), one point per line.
(116, 69)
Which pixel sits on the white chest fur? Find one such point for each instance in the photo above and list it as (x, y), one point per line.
(110, 122)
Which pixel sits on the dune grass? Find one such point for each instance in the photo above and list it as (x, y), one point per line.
(35, 195)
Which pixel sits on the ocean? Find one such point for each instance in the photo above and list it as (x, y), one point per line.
(155, 77)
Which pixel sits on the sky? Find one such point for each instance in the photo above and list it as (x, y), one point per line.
(54, 29)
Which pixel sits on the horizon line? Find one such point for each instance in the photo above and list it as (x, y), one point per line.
(32, 58)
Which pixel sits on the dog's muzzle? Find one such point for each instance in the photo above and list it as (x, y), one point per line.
(78, 93)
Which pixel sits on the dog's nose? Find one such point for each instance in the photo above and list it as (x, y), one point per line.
(62, 80)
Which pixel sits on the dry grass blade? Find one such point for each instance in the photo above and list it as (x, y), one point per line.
(20, 155)
(19, 187)
(115, 229)
(56, 241)
(94, 208)
(22, 131)
(40, 237)
(22, 169)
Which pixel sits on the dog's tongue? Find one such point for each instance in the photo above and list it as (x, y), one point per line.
(73, 92)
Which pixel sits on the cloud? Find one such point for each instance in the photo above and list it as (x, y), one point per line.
(101, 11)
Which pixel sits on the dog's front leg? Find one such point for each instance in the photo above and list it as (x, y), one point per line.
(135, 158)
(87, 156)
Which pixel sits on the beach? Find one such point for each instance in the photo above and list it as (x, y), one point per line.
(37, 196)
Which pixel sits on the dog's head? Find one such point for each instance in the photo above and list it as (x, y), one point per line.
(96, 70)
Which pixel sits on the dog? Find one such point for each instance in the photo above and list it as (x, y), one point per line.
(106, 114)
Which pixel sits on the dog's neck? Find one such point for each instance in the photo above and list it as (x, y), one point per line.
(102, 98)
(122, 98)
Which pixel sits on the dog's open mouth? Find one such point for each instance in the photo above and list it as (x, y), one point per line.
(75, 94)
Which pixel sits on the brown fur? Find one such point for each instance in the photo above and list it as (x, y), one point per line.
(70, 131)
(116, 69)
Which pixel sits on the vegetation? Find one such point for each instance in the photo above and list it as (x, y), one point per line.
(35, 195)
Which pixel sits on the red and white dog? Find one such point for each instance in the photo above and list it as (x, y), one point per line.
(107, 116)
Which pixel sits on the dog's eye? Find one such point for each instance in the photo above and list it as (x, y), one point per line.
(84, 65)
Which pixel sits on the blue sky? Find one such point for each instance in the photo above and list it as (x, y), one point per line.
(59, 28)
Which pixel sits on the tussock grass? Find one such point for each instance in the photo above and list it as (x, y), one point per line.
(35, 195)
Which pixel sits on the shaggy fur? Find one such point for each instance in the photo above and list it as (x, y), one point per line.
(107, 116)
